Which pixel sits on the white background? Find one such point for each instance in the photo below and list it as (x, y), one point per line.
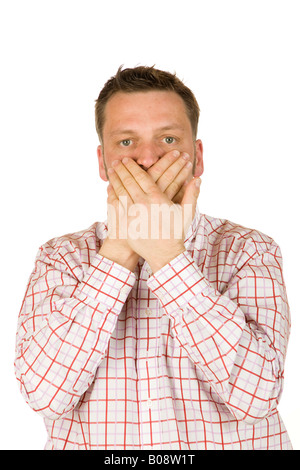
(241, 59)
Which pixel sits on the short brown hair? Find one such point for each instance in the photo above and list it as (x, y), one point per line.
(145, 79)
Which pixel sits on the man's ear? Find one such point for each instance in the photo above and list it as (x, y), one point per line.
(199, 166)
(102, 171)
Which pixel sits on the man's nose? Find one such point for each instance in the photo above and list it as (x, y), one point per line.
(147, 155)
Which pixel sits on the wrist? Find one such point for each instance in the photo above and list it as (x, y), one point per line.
(119, 252)
(158, 261)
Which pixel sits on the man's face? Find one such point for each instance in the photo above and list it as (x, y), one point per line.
(145, 126)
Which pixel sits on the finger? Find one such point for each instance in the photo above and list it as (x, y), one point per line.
(130, 181)
(111, 195)
(173, 175)
(181, 179)
(156, 170)
(169, 175)
(139, 179)
(177, 198)
(117, 185)
(112, 205)
(191, 196)
(189, 202)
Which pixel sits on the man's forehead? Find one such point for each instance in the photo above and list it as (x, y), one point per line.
(159, 100)
(163, 110)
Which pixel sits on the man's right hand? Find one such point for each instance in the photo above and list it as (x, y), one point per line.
(170, 174)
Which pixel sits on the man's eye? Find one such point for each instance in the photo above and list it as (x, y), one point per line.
(169, 140)
(125, 142)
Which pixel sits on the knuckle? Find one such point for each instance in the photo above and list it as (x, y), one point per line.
(154, 193)
(155, 172)
(143, 177)
(126, 180)
(169, 177)
(176, 186)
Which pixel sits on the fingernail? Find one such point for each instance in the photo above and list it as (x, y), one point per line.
(176, 153)
(115, 163)
(110, 171)
(185, 156)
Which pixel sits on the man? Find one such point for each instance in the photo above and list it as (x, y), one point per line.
(130, 339)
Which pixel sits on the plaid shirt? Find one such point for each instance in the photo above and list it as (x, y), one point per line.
(191, 357)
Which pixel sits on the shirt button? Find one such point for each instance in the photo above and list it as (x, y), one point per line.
(148, 311)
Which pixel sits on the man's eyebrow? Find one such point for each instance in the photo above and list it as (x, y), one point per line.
(170, 127)
(122, 131)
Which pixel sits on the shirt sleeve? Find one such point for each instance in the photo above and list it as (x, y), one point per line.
(65, 323)
(237, 338)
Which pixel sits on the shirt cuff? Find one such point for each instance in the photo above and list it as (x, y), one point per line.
(106, 282)
(177, 283)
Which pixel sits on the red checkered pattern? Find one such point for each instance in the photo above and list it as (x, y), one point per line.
(191, 357)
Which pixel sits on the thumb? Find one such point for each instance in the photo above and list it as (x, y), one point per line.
(192, 192)
(189, 200)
